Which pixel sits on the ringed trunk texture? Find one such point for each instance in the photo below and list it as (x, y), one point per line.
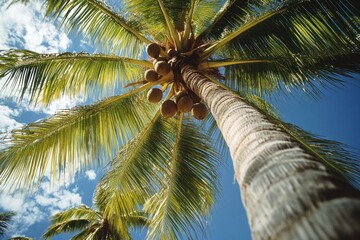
(287, 192)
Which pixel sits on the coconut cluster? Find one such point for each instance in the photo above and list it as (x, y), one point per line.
(184, 101)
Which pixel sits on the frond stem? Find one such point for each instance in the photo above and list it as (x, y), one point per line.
(44, 58)
(188, 23)
(170, 26)
(217, 64)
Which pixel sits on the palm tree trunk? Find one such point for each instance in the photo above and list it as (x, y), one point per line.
(287, 192)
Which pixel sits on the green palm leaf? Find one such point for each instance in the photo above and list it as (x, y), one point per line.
(98, 22)
(228, 16)
(5, 218)
(188, 188)
(204, 11)
(298, 27)
(135, 169)
(291, 72)
(71, 220)
(151, 14)
(47, 77)
(84, 136)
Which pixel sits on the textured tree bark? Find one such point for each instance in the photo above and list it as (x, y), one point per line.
(287, 192)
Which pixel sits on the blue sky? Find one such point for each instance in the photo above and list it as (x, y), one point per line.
(335, 116)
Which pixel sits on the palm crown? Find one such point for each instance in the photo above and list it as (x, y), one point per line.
(167, 164)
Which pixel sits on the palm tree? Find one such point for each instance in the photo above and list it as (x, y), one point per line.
(226, 54)
(5, 218)
(92, 224)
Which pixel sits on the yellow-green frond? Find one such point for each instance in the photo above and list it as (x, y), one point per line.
(203, 13)
(71, 220)
(151, 14)
(187, 192)
(72, 138)
(242, 30)
(135, 170)
(288, 72)
(46, 77)
(293, 26)
(110, 30)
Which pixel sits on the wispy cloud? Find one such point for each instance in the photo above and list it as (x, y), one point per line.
(7, 121)
(32, 209)
(25, 27)
(90, 174)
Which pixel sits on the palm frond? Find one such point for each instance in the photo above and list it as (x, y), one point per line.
(5, 218)
(228, 16)
(188, 23)
(71, 220)
(87, 233)
(336, 155)
(291, 72)
(97, 21)
(188, 187)
(297, 27)
(170, 26)
(151, 15)
(203, 13)
(135, 169)
(71, 139)
(46, 77)
(244, 26)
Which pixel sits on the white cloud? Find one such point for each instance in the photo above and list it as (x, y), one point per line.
(7, 121)
(64, 102)
(26, 27)
(32, 209)
(90, 174)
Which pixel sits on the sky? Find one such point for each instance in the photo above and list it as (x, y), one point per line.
(336, 116)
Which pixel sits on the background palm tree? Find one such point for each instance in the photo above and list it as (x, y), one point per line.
(93, 224)
(229, 54)
(5, 218)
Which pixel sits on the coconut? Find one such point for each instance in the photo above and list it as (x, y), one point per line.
(180, 95)
(153, 50)
(171, 52)
(154, 95)
(168, 108)
(162, 68)
(151, 75)
(158, 60)
(199, 111)
(184, 104)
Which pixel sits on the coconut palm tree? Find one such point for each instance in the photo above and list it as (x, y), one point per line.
(5, 218)
(222, 56)
(92, 224)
